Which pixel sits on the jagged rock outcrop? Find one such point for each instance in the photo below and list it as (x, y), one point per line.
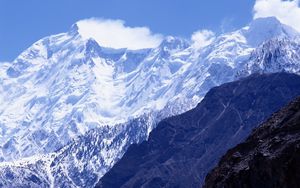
(269, 158)
(69, 94)
(182, 149)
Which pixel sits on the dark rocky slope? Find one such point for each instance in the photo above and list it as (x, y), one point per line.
(182, 149)
(269, 158)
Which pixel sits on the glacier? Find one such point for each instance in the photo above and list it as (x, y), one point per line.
(70, 107)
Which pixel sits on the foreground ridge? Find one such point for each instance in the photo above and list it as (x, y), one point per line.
(182, 149)
(269, 158)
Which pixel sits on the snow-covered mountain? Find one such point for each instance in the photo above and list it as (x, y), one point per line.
(73, 107)
(275, 55)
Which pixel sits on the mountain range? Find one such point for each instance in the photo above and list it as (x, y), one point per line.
(182, 149)
(71, 108)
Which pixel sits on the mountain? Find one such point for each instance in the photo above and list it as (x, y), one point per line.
(269, 158)
(182, 149)
(63, 85)
(66, 95)
(275, 55)
(263, 29)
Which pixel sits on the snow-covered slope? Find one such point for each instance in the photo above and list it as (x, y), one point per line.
(71, 93)
(275, 55)
(63, 86)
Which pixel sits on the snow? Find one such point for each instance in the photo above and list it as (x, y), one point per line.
(64, 88)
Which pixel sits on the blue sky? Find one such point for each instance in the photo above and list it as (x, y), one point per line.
(22, 22)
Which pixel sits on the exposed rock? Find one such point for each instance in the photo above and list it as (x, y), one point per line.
(182, 149)
(269, 158)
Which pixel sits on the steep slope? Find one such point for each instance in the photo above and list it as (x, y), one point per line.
(80, 163)
(269, 158)
(64, 85)
(182, 149)
(275, 55)
(56, 90)
(67, 95)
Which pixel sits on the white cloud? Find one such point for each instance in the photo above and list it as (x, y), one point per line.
(286, 11)
(114, 34)
(202, 38)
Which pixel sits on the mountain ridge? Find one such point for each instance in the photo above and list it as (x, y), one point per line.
(272, 151)
(64, 87)
(194, 141)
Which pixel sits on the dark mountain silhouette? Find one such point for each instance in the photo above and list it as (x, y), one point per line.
(269, 158)
(182, 149)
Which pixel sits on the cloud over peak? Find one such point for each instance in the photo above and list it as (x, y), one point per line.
(115, 34)
(286, 11)
(202, 38)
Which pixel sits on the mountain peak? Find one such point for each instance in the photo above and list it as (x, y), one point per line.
(92, 45)
(263, 29)
(171, 43)
(74, 29)
(262, 21)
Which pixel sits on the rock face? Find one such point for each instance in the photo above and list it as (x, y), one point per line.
(269, 158)
(182, 149)
(65, 85)
(70, 107)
